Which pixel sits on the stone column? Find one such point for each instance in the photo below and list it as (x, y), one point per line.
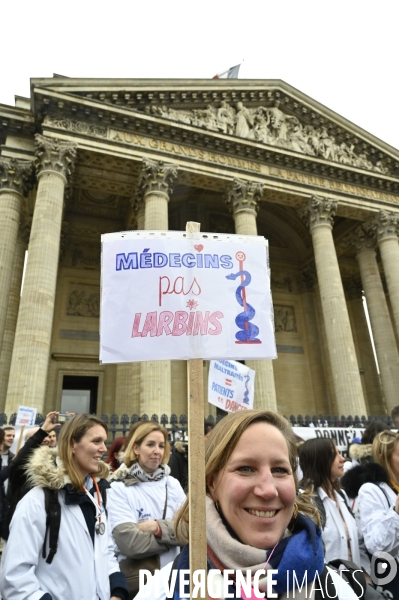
(12, 310)
(371, 381)
(29, 364)
(384, 339)
(15, 181)
(386, 230)
(313, 337)
(127, 389)
(154, 188)
(243, 198)
(345, 370)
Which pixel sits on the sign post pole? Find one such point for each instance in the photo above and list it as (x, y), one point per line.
(196, 457)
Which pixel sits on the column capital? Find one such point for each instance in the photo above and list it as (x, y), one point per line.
(385, 225)
(319, 211)
(16, 175)
(244, 196)
(156, 176)
(362, 239)
(54, 155)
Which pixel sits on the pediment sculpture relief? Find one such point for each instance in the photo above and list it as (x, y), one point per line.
(271, 126)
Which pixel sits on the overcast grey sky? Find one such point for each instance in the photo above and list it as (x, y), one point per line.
(341, 53)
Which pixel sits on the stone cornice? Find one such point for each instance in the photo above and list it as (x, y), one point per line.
(54, 155)
(16, 175)
(244, 196)
(320, 211)
(239, 148)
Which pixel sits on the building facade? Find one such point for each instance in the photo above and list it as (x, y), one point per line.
(83, 157)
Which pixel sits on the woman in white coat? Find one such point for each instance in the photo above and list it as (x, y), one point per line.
(84, 566)
(378, 502)
(322, 466)
(144, 497)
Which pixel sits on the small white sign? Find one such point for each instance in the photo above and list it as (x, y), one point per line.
(26, 416)
(231, 385)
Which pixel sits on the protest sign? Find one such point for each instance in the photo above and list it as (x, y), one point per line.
(26, 416)
(230, 385)
(170, 295)
(342, 436)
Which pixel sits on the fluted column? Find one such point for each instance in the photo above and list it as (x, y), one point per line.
(15, 181)
(384, 339)
(386, 230)
(345, 369)
(313, 336)
(127, 390)
(29, 364)
(154, 187)
(243, 198)
(12, 310)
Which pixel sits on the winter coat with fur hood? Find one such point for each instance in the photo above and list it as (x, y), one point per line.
(84, 566)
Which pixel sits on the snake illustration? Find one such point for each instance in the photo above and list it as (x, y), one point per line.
(249, 330)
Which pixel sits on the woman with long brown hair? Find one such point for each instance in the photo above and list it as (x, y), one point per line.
(80, 564)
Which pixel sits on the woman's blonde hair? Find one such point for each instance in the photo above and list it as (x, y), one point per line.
(383, 446)
(71, 432)
(138, 437)
(220, 445)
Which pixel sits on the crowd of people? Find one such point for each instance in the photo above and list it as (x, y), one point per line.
(75, 527)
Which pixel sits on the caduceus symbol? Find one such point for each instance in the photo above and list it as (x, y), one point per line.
(248, 331)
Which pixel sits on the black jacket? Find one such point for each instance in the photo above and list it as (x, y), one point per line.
(370, 472)
(17, 479)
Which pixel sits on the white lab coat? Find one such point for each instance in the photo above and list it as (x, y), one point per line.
(334, 536)
(379, 521)
(78, 571)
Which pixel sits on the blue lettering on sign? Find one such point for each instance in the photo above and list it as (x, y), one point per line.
(157, 260)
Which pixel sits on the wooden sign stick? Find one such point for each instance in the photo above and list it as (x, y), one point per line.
(196, 458)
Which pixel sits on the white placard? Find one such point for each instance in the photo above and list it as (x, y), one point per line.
(342, 436)
(173, 295)
(231, 385)
(26, 416)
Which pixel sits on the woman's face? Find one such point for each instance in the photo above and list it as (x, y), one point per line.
(151, 451)
(337, 468)
(256, 489)
(89, 450)
(394, 461)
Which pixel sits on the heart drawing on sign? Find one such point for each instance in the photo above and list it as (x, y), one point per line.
(199, 247)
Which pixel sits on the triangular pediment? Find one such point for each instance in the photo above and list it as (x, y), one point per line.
(269, 113)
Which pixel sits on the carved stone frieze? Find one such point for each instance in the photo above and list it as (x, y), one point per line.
(157, 176)
(54, 155)
(244, 195)
(16, 175)
(385, 225)
(82, 258)
(308, 278)
(82, 303)
(320, 211)
(285, 284)
(77, 126)
(363, 238)
(284, 319)
(271, 126)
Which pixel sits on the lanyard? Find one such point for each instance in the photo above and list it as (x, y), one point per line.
(100, 526)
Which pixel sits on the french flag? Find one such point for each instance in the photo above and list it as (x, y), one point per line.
(231, 73)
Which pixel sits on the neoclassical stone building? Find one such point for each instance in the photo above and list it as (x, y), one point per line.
(82, 157)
